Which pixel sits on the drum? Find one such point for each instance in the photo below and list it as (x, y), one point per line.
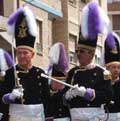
(1, 115)
(62, 119)
(114, 117)
(87, 114)
(21, 112)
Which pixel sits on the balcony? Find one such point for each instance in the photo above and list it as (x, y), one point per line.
(54, 8)
(56, 4)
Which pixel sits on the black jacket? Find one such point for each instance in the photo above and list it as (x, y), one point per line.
(36, 88)
(114, 105)
(96, 78)
(60, 108)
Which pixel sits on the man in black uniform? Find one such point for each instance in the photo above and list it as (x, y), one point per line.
(24, 89)
(59, 64)
(112, 61)
(60, 108)
(6, 62)
(92, 84)
(94, 87)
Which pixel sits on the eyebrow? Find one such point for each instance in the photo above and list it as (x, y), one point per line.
(83, 50)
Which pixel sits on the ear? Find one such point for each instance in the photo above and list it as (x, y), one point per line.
(33, 54)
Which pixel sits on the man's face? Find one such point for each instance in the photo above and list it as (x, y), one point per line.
(24, 56)
(85, 56)
(114, 69)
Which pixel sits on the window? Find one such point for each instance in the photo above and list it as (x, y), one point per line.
(1, 7)
(116, 0)
(97, 59)
(72, 45)
(72, 57)
(72, 2)
(84, 1)
(116, 20)
(98, 1)
(39, 46)
(98, 55)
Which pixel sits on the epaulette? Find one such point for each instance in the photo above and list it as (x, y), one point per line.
(107, 75)
(2, 78)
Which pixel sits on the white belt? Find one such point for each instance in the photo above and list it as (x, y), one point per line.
(36, 110)
(62, 119)
(87, 114)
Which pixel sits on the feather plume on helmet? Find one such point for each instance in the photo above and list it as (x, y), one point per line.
(58, 61)
(94, 21)
(112, 49)
(6, 61)
(22, 25)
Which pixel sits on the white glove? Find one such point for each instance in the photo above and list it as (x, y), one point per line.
(79, 91)
(76, 91)
(69, 94)
(16, 94)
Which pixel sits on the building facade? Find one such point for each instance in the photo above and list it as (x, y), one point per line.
(58, 21)
(114, 15)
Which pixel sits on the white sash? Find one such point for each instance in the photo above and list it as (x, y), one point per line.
(21, 112)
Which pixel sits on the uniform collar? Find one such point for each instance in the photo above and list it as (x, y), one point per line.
(87, 67)
(21, 68)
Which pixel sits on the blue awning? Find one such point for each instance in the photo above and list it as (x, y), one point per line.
(45, 7)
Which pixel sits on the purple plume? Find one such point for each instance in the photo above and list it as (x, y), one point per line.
(8, 59)
(94, 20)
(110, 41)
(63, 62)
(14, 16)
(50, 68)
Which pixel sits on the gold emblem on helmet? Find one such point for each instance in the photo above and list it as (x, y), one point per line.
(22, 29)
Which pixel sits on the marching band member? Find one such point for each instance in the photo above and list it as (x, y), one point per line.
(112, 63)
(58, 69)
(24, 89)
(92, 84)
(6, 62)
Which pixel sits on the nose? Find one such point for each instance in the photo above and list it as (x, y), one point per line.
(21, 54)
